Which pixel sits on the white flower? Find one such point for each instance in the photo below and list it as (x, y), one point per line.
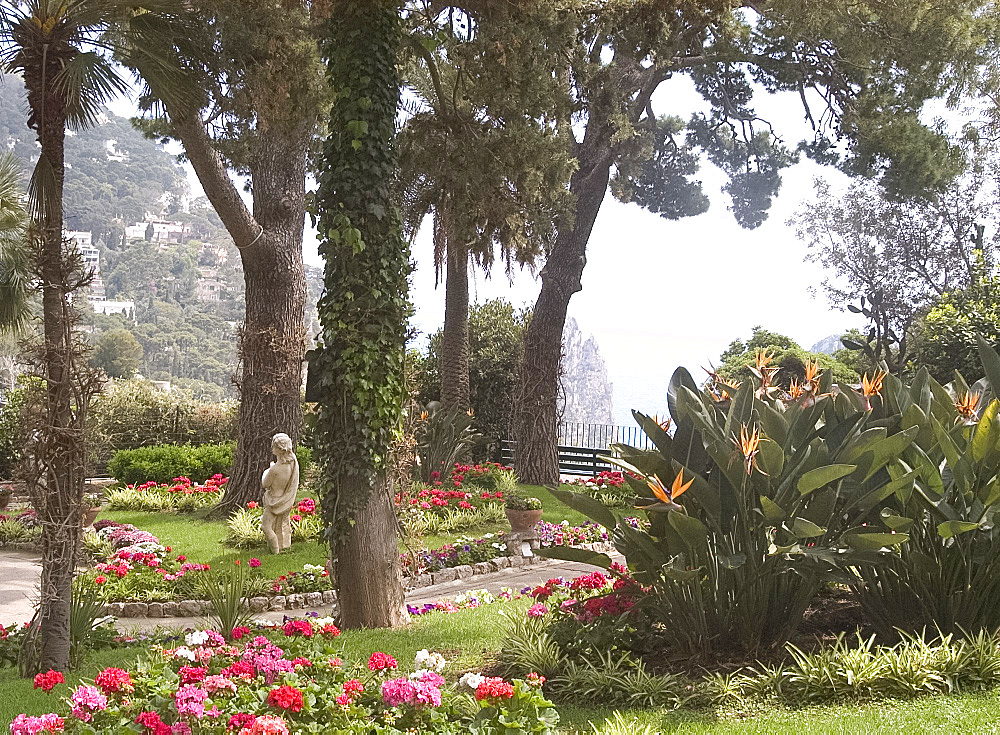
(488, 535)
(313, 568)
(324, 621)
(196, 638)
(185, 652)
(564, 523)
(419, 673)
(472, 680)
(427, 660)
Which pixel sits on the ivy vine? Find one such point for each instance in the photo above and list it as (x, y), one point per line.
(358, 363)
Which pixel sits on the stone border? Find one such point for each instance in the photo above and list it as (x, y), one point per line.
(312, 600)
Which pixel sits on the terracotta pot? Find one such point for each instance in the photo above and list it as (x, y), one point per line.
(523, 520)
(4, 501)
(90, 515)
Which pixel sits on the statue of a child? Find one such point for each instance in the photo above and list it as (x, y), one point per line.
(281, 482)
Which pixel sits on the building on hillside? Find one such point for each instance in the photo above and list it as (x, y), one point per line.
(158, 230)
(209, 290)
(125, 308)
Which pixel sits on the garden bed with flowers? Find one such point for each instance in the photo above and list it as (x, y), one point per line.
(180, 494)
(293, 680)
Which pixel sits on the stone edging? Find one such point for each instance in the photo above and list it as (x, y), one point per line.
(312, 600)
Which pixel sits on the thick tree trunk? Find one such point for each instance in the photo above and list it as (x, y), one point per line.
(536, 457)
(455, 338)
(272, 342)
(373, 599)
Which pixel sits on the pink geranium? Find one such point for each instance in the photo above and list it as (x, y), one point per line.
(85, 701)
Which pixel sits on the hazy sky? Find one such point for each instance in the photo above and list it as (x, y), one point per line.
(659, 293)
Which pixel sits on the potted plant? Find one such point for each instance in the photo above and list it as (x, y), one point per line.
(5, 493)
(91, 507)
(522, 512)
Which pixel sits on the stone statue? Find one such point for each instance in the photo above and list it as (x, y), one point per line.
(281, 482)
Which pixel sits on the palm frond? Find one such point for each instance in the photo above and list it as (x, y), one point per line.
(15, 273)
(86, 83)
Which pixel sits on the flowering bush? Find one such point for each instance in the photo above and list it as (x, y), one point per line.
(179, 494)
(295, 685)
(312, 578)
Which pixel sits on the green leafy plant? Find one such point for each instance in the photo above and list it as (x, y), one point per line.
(86, 612)
(228, 593)
(444, 437)
(757, 502)
(518, 501)
(947, 577)
(163, 462)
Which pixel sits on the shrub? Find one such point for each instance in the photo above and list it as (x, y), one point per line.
(774, 495)
(948, 576)
(133, 413)
(444, 437)
(164, 462)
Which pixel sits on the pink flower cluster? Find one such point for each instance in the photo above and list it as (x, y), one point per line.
(85, 701)
(30, 725)
(266, 725)
(418, 693)
(298, 628)
(190, 700)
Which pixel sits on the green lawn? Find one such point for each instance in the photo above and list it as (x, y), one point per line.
(200, 539)
(470, 640)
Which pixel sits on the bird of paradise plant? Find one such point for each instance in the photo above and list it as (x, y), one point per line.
(966, 405)
(667, 497)
(749, 444)
(764, 372)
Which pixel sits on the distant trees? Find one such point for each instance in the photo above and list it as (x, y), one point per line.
(117, 353)
(787, 355)
(496, 333)
(892, 259)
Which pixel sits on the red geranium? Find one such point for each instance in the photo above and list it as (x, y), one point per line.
(192, 674)
(152, 723)
(494, 687)
(285, 697)
(381, 661)
(114, 681)
(48, 680)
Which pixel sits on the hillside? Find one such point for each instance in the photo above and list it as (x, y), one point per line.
(114, 175)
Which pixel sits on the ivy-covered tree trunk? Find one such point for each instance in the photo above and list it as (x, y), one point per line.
(536, 456)
(363, 312)
(455, 336)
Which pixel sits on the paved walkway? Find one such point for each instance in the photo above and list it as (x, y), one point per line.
(19, 572)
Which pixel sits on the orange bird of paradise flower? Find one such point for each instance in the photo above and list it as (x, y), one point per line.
(873, 386)
(750, 446)
(795, 390)
(967, 404)
(677, 488)
(812, 373)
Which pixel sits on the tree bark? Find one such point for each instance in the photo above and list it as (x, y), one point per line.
(536, 457)
(59, 476)
(272, 339)
(455, 336)
(374, 599)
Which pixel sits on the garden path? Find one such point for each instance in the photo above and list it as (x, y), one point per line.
(19, 574)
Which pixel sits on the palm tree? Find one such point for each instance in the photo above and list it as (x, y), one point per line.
(491, 170)
(63, 51)
(15, 282)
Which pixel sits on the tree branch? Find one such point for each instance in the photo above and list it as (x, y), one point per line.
(214, 178)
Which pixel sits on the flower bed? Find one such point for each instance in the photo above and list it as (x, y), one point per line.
(18, 528)
(293, 680)
(179, 494)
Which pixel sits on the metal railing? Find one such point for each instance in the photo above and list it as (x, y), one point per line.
(583, 448)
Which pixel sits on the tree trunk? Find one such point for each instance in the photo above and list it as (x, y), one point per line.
(60, 478)
(374, 599)
(455, 338)
(272, 341)
(536, 456)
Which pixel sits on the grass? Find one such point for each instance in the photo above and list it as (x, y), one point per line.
(470, 640)
(201, 539)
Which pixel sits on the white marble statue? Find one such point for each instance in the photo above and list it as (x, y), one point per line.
(281, 482)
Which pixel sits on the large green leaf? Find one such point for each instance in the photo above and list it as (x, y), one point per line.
(571, 553)
(896, 522)
(656, 433)
(874, 541)
(883, 451)
(817, 478)
(984, 437)
(954, 528)
(770, 458)
(691, 530)
(771, 510)
(991, 363)
(801, 528)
